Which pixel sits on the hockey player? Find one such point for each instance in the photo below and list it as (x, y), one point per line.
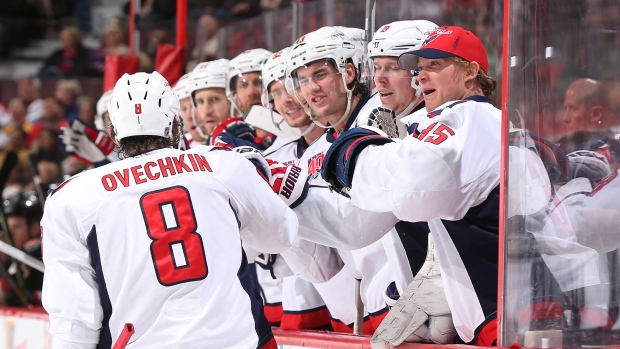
(398, 91)
(213, 117)
(170, 261)
(397, 88)
(192, 136)
(244, 86)
(457, 145)
(207, 88)
(325, 81)
(302, 304)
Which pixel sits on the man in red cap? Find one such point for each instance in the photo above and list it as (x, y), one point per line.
(446, 172)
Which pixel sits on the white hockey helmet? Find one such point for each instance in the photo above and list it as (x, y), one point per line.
(210, 74)
(180, 88)
(273, 70)
(358, 38)
(143, 104)
(327, 43)
(102, 108)
(398, 37)
(246, 62)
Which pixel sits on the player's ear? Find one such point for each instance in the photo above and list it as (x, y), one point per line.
(350, 73)
(472, 71)
(596, 113)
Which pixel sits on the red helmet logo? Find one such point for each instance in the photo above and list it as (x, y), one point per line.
(300, 40)
(385, 28)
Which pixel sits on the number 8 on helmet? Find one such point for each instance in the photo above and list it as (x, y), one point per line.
(143, 104)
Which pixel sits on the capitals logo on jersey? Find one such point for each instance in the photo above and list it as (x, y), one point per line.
(434, 35)
(314, 166)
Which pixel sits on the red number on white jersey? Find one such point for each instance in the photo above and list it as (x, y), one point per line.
(438, 136)
(177, 250)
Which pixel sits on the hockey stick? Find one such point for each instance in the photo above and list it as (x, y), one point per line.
(22, 256)
(123, 338)
(36, 178)
(369, 30)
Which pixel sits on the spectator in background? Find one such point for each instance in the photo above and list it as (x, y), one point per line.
(17, 121)
(86, 110)
(207, 43)
(47, 159)
(28, 89)
(72, 60)
(67, 92)
(17, 143)
(49, 173)
(52, 119)
(113, 41)
(588, 116)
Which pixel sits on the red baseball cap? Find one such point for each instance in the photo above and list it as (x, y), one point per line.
(444, 42)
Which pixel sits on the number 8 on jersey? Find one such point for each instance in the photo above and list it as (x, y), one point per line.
(177, 250)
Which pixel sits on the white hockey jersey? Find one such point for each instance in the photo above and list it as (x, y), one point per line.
(447, 170)
(324, 219)
(155, 240)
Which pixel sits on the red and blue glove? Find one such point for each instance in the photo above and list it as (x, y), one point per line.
(88, 144)
(290, 182)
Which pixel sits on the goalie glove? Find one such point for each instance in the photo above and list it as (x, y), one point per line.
(380, 120)
(339, 163)
(422, 313)
(87, 143)
(290, 182)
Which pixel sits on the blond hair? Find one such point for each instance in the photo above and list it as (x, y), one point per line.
(487, 83)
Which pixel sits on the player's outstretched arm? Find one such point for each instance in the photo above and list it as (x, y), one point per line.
(266, 223)
(313, 262)
(330, 219)
(70, 292)
(439, 172)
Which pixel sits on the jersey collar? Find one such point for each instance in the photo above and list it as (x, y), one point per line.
(333, 134)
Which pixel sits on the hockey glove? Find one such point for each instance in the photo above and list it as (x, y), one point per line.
(289, 182)
(235, 132)
(340, 159)
(87, 143)
(380, 120)
(257, 159)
